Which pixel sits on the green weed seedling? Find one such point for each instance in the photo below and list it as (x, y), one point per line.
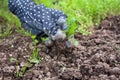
(45, 39)
(33, 37)
(20, 72)
(24, 32)
(72, 42)
(72, 29)
(6, 32)
(34, 58)
(0, 31)
(13, 60)
(35, 41)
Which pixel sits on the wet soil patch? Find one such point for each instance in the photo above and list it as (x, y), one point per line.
(97, 57)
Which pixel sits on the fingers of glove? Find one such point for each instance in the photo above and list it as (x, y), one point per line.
(68, 44)
(61, 20)
(64, 26)
(48, 43)
(59, 35)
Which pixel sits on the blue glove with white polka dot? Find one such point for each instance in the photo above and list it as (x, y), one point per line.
(39, 19)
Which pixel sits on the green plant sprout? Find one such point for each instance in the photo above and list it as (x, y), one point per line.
(44, 39)
(20, 73)
(6, 32)
(24, 32)
(72, 41)
(34, 58)
(35, 41)
(13, 59)
(0, 31)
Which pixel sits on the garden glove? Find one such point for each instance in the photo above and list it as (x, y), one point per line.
(39, 20)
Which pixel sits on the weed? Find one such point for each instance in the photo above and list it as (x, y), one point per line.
(0, 31)
(24, 32)
(35, 41)
(13, 59)
(20, 72)
(45, 39)
(72, 41)
(5, 32)
(34, 58)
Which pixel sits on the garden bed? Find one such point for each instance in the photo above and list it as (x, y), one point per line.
(97, 57)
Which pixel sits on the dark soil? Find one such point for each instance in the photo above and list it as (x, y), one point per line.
(97, 57)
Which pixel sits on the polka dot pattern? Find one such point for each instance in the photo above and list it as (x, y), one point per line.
(36, 18)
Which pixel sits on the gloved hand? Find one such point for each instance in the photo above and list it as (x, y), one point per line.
(39, 20)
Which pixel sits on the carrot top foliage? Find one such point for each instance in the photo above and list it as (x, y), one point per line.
(82, 14)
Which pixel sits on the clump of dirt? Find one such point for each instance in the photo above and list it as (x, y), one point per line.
(97, 57)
